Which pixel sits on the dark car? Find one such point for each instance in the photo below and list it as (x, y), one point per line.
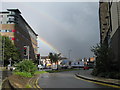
(86, 67)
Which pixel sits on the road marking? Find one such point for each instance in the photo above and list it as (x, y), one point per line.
(114, 86)
(37, 84)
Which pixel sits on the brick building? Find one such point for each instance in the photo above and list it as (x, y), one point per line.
(13, 25)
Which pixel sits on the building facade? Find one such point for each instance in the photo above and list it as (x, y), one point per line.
(13, 25)
(109, 17)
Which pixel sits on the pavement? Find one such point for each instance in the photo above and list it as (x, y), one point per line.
(86, 74)
(3, 75)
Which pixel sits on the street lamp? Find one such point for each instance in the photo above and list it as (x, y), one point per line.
(69, 53)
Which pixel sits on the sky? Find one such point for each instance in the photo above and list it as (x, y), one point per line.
(65, 27)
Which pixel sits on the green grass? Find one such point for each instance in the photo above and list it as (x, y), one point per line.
(24, 74)
(62, 70)
(40, 72)
(28, 86)
(3, 69)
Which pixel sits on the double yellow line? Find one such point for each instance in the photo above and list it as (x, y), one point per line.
(114, 86)
(37, 84)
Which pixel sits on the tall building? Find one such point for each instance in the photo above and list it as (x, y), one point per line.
(13, 25)
(109, 17)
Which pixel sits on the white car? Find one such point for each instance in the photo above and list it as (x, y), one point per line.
(54, 67)
(40, 66)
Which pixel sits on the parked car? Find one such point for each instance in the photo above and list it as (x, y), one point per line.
(86, 67)
(54, 67)
(12, 68)
(64, 66)
(40, 66)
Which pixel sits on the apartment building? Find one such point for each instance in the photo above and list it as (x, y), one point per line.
(13, 25)
(109, 17)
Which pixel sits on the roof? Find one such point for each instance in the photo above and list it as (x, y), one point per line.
(18, 11)
(4, 12)
(15, 10)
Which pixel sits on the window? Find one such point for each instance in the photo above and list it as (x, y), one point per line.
(10, 30)
(17, 40)
(1, 16)
(5, 30)
(11, 19)
(2, 30)
(17, 31)
(12, 12)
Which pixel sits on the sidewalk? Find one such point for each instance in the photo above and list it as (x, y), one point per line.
(86, 74)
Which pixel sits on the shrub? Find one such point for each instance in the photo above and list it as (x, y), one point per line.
(117, 76)
(26, 66)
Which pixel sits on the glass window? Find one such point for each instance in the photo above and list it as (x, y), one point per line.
(17, 40)
(1, 16)
(9, 30)
(2, 30)
(12, 12)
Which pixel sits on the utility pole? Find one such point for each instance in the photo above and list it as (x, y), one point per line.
(69, 53)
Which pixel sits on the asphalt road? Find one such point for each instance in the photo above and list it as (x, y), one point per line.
(4, 74)
(65, 80)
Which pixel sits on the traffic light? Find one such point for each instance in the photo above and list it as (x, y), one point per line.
(38, 56)
(25, 51)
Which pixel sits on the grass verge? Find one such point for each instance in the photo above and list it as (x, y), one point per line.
(28, 86)
(62, 70)
(40, 72)
(24, 74)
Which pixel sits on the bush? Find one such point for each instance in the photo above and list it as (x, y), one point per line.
(117, 76)
(26, 66)
(114, 75)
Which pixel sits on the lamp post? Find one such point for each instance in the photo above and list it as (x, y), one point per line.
(69, 53)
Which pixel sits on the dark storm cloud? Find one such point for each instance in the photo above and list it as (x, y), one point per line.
(64, 25)
(79, 31)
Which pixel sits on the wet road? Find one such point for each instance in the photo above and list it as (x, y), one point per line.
(65, 80)
(4, 74)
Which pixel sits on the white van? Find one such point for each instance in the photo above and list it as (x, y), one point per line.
(54, 67)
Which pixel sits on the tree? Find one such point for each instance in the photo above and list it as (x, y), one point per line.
(104, 58)
(54, 57)
(10, 51)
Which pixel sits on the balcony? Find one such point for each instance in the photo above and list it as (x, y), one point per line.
(12, 20)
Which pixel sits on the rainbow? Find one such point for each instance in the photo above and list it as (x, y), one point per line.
(48, 44)
(53, 20)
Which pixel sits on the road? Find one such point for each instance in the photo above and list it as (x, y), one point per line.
(3, 75)
(65, 80)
